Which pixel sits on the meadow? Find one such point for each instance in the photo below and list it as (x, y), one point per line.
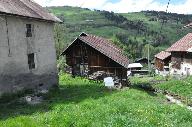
(79, 102)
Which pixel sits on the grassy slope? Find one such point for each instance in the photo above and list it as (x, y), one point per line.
(180, 87)
(77, 16)
(90, 104)
(183, 88)
(171, 29)
(75, 23)
(75, 20)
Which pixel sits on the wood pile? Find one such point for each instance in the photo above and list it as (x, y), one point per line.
(99, 75)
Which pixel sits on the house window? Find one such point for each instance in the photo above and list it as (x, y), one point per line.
(31, 61)
(29, 30)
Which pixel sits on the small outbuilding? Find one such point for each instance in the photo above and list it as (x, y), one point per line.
(88, 54)
(143, 61)
(135, 66)
(162, 61)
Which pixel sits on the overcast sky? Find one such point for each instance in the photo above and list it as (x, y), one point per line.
(124, 6)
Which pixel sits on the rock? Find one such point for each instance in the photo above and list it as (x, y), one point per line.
(44, 91)
(33, 100)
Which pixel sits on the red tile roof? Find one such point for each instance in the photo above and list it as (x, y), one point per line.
(183, 45)
(26, 8)
(163, 55)
(106, 47)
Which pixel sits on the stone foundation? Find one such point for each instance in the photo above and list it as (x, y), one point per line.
(14, 84)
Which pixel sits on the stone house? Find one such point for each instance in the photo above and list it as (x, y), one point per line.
(181, 56)
(27, 49)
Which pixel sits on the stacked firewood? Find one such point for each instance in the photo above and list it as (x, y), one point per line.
(99, 75)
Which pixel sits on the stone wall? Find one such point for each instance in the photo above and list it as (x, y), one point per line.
(15, 74)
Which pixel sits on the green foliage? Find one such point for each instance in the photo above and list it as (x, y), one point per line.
(59, 35)
(132, 30)
(182, 88)
(148, 49)
(61, 63)
(179, 87)
(79, 102)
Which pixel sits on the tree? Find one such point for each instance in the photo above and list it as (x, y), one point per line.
(59, 33)
(151, 51)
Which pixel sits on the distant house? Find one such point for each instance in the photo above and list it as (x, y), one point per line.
(90, 53)
(181, 52)
(135, 66)
(162, 61)
(27, 49)
(142, 61)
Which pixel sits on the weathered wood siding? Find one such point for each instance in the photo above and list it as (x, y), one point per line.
(159, 64)
(82, 54)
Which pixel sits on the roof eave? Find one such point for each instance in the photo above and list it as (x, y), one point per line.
(57, 20)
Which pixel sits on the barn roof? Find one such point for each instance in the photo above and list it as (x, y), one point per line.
(163, 55)
(106, 47)
(183, 45)
(26, 8)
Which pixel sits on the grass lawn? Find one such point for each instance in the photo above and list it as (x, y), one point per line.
(183, 88)
(179, 87)
(79, 103)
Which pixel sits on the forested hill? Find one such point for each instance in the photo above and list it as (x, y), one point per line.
(130, 31)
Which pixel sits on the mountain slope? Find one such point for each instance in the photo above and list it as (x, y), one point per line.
(130, 31)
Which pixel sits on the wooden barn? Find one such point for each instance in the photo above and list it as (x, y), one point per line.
(88, 54)
(162, 59)
(181, 53)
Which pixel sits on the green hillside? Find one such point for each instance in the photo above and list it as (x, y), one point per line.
(130, 31)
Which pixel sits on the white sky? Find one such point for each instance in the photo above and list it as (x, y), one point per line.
(122, 6)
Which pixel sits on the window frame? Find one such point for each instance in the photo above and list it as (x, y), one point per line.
(31, 61)
(29, 30)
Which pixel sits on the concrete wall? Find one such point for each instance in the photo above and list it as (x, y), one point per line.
(186, 69)
(15, 74)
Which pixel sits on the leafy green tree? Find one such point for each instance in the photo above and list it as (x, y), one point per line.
(151, 51)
